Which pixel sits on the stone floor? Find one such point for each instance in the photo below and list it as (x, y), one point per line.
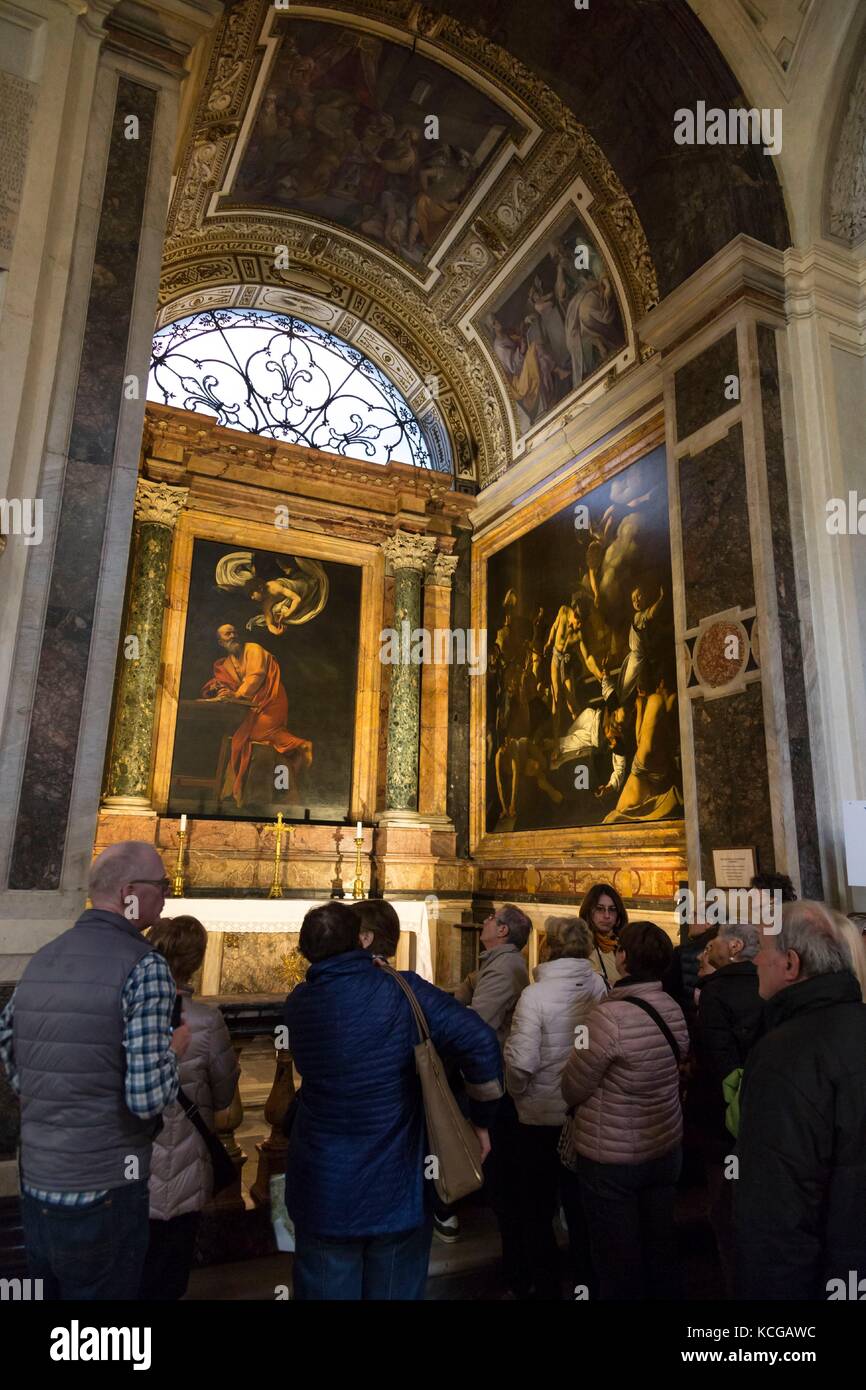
(468, 1269)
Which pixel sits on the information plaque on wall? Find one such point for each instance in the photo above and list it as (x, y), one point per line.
(734, 868)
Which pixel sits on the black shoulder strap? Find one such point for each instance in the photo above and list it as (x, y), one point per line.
(656, 1018)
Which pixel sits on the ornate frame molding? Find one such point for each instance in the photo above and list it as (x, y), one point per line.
(208, 250)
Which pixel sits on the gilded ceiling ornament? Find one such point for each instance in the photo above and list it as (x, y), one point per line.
(413, 307)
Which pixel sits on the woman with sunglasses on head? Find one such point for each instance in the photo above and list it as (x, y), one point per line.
(604, 911)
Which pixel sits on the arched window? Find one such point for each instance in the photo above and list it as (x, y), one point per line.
(277, 376)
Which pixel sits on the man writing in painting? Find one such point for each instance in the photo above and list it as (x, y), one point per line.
(249, 674)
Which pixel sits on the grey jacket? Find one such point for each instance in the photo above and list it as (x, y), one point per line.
(181, 1173)
(77, 1132)
(495, 987)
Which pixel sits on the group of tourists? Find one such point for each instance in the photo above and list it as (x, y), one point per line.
(743, 1048)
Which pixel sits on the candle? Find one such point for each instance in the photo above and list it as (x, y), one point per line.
(183, 825)
(358, 834)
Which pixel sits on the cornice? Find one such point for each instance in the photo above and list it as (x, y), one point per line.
(185, 448)
(744, 269)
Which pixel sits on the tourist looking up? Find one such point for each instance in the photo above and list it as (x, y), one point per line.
(799, 1215)
(181, 1171)
(87, 1042)
(378, 927)
(358, 1188)
(492, 991)
(604, 912)
(548, 1016)
(626, 1130)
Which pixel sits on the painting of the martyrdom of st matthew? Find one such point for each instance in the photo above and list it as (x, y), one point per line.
(556, 324)
(581, 723)
(344, 133)
(266, 707)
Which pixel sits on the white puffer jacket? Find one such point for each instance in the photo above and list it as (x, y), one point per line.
(542, 1036)
(625, 1085)
(181, 1173)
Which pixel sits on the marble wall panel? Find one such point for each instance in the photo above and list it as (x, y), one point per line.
(717, 552)
(731, 768)
(49, 768)
(10, 1116)
(700, 385)
(789, 619)
(458, 700)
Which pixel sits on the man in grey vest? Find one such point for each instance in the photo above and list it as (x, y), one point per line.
(87, 1043)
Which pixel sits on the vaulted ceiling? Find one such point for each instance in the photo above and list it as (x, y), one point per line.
(485, 198)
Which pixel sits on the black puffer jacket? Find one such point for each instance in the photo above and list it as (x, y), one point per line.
(730, 1017)
(799, 1205)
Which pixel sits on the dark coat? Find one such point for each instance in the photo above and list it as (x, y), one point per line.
(730, 1017)
(358, 1142)
(799, 1207)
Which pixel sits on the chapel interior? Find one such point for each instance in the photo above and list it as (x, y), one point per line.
(399, 359)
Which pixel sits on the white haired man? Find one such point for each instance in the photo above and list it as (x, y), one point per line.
(87, 1042)
(800, 1219)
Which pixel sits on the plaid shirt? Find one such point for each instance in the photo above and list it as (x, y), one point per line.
(151, 1080)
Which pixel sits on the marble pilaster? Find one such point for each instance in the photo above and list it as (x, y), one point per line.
(435, 681)
(157, 506)
(747, 758)
(407, 555)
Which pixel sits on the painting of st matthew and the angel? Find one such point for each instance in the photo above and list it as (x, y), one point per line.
(554, 323)
(368, 134)
(581, 719)
(266, 707)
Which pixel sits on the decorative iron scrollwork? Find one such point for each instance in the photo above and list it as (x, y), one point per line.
(277, 376)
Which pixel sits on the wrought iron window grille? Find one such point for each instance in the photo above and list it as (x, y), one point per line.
(277, 376)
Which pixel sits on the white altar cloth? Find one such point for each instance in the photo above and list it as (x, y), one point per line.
(287, 914)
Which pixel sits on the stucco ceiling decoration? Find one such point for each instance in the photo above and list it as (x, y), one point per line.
(413, 293)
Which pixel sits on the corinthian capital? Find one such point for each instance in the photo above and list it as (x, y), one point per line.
(407, 551)
(440, 570)
(159, 504)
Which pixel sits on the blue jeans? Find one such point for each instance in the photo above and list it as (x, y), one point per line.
(372, 1267)
(629, 1209)
(88, 1253)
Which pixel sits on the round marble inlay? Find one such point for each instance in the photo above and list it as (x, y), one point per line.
(721, 652)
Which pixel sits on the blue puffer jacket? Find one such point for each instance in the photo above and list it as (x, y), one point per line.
(356, 1155)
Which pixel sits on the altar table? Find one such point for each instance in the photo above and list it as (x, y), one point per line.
(280, 915)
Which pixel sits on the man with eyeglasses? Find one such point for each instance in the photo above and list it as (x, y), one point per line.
(87, 1042)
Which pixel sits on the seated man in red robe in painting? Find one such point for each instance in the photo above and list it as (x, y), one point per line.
(248, 672)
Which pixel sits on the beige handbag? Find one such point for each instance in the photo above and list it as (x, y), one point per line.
(452, 1140)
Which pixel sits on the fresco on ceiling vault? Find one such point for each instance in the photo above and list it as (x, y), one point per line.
(581, 698)
(554, 322)
(342, 133)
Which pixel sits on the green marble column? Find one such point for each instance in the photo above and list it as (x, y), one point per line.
(407, 555)
(157, 506)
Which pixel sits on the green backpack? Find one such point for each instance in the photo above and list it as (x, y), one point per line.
(731, 1092)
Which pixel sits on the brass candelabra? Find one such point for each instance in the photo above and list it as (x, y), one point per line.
(276, 885)
(358, 885)
(177, 882)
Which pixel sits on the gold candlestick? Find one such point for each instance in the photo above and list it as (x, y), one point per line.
(177, 884)
(358, 885)
(276, 886)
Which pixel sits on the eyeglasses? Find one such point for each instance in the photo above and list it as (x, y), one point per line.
(163, 883)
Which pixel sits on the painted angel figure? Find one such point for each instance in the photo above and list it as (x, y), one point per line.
(296, 596)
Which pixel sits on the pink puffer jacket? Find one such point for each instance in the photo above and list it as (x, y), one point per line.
(181, 1173)
(625, 1084)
